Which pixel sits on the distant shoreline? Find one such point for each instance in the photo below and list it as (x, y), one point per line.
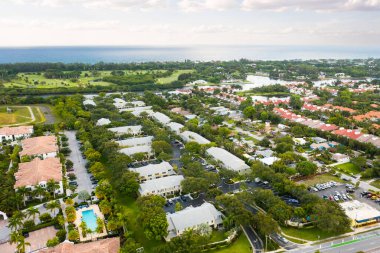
(138, 54)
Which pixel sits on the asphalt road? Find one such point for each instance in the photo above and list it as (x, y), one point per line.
(367, 242)
(83, 178)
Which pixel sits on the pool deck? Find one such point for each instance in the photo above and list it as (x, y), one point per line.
(93, 235)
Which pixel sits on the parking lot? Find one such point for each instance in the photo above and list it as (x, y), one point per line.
(185, 201)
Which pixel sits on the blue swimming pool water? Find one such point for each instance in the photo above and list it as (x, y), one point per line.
(89, 217)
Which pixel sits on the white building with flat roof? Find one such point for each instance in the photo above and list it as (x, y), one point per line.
(136, 141)
(188, 136)
(191, 218)
(133, 130)
(161, 186)
(138, 110)
(153, 171)
(228, 160)
(175, 127)
(89, 102)
(119, 103)
(160, 117)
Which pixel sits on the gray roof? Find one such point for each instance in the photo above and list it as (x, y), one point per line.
(175, 127)
(191, 217)
(147, 140)
(229, 160)
(136, 149)
(188, 136)
(126, 129)
(162, 118)
(159, 184)
(151, 169)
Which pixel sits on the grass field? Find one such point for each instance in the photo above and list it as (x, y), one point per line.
(38, 81)
(309, 234)
(174, 76)
(376, 183)
(348, 168)
(241, 245)
(320, 179)
(21, 115)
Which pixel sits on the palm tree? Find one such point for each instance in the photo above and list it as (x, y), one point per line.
(16, 221)
(52, 205)
(39, 191)
(32, 212)
(21, 244)
(23, 191)
(52, 186)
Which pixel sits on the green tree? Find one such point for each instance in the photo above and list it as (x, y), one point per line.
(306, 168)
(178, 207)
(32, 212)
(296, 102)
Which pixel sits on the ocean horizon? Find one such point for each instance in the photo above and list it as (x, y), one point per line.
(129, 54)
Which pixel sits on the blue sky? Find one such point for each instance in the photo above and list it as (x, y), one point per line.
(190, 22)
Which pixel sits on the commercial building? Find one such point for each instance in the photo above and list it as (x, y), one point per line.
(360, 213)
(153, 171)
(188, 136)
(228, 160)
(161, 186)
(42, 146)
(14, 133)
(192, 218)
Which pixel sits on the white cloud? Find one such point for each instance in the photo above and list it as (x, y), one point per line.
(215, 5)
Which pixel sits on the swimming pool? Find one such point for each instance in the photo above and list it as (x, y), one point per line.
(89, 217)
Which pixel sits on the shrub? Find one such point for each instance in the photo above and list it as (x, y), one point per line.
(73, 235)
(29, 224)
(45, 217)
(52, 242)
(72, 176)
(61, 234)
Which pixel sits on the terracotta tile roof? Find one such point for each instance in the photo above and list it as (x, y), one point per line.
(109, 245)
(368, 115)
(351, 134)
(39, 145)
(16, 130)
(340, 108)
(37, 170)
(328, 127)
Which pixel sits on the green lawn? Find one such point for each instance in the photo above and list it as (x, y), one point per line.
(217, 236)
(19, 115)
(241, 245)
(309, 233)
(320, 179)
(174, 76)
(348, 168)
(376, 183)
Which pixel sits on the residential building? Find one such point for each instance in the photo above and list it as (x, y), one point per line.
(299, 141)
(340, 158)
(136, 141)
(153, 171)
(108, 245)
(160, 117)
(269, 160)
(175, 127)
(163, 186)
(191, 218)
(228, 160)
(138, 110)
(188, 136)
(42, 146)
(39, 172)
(132, 130)
(89, 102)
(137, 149)
(15, 133)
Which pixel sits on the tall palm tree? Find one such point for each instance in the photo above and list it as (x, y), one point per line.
(16, 221)
(21, 244)
(52, 186)
(32, 212)
(52, 205)
(39, 191)
(23, 191)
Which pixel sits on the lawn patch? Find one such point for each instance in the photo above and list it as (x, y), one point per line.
(320, 179)
(241, 245)
(348, 168)
(308, 233)
(376, 183)
(173, 77)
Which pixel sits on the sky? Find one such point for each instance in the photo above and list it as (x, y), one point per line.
(189, 22)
